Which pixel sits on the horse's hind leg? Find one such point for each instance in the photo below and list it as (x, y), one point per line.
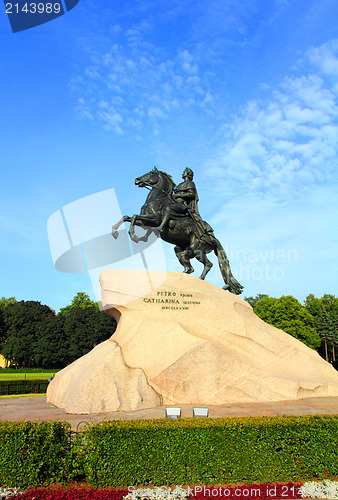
(201, 257)
(184, 255)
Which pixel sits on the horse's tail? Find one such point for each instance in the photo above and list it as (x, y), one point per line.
(231, 283)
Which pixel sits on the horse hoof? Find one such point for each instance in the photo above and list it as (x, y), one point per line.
(115, 234)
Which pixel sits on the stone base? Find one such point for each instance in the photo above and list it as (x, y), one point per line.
(183, 341)
(100, 382)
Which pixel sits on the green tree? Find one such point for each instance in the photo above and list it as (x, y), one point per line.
(24, 323)
(6, 302)
(51, 350)
(325, 313)
(3, 330)
(253, 300)
(335, 341)
(85, 328)
(326, 334)
(315, 306)
(289, 315)
(82, 301)
(32, 335)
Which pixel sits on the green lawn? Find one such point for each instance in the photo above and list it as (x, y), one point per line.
(6, 374)
(21, 396)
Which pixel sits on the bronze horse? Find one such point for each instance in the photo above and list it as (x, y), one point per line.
(180, 232)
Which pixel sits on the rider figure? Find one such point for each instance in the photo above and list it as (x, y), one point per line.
(185, 203)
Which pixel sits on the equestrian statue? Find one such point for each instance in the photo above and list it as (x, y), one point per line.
(172, 211)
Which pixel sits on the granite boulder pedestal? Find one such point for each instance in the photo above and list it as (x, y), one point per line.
(179, 341)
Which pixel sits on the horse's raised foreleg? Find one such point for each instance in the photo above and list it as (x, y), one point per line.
(115, 227)
(146, 236)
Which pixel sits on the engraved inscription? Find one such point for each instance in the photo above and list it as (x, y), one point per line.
(170, 301)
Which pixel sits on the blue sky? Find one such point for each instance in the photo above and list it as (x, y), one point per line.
(243, 92)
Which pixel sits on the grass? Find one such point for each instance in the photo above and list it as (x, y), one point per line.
(26, 374)
(10, 374)
(21, 396)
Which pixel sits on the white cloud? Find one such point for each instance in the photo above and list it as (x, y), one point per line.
(112, 120)
(325, 57)
(187, 62)
(139, 75)
(92, 72)
(285, 144)
(155, 112)
(277, 181)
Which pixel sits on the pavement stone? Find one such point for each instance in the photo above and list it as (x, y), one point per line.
(35, 408)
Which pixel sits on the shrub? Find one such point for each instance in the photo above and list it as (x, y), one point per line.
(37, 453)
(212, 451)
(165, 452)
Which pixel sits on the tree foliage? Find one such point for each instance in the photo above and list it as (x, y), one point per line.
(24, 322)
(3, 330)
(85, 328)
(32, 335)
(52, 349)
(325, 314)
(324, 307)
(82, 301)
(6, 302)
(289, 315)
(253, 300)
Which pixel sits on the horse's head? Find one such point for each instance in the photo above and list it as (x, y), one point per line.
(156, 179)
(150, 179)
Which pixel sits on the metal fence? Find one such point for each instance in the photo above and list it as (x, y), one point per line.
(9, 387)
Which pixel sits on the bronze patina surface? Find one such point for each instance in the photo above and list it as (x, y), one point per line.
(172, 212)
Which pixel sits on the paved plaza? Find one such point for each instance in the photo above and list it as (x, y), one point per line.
(35, 408)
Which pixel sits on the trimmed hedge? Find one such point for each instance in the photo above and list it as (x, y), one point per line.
(34, 454)
(37, 386)
(211, 451)
(166, 452)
